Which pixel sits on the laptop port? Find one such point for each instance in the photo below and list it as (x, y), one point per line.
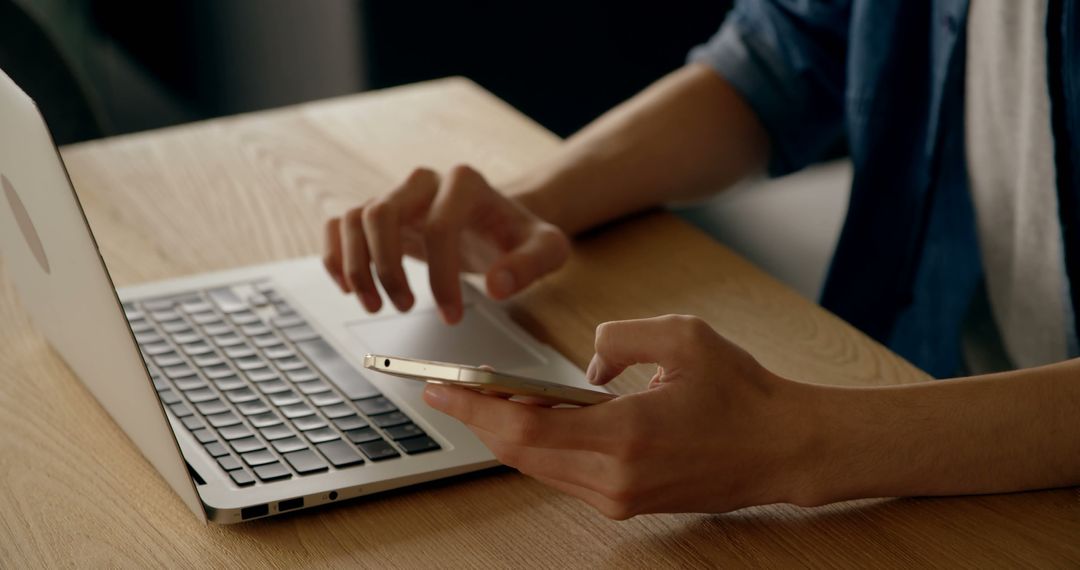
(290, 504)
(254, 511)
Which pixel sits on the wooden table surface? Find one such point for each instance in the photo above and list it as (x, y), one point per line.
(256, 188)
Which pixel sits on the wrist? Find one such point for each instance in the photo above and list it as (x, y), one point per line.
(543, 205)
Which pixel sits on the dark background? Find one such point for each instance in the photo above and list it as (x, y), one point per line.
(103, 67)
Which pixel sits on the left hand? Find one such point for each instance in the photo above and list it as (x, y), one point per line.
(714, 432)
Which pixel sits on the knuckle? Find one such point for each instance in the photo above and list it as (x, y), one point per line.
(693, 329)
(437, 229)
(603, 333)
(463, 172)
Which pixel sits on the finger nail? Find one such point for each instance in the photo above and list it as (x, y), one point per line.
(590, 372)
(435, 396)
(502, 283)
(371, 302)
(450, 314)
(402, 301)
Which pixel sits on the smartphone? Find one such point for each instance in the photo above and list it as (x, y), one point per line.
(483, 379)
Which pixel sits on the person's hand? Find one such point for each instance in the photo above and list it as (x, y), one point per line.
(714, 432)
(456, 222)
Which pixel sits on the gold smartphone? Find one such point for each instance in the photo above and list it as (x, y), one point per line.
(483, 379)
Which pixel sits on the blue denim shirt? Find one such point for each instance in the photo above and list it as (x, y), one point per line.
(889, 75)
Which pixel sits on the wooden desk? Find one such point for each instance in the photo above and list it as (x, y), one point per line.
(256, 188)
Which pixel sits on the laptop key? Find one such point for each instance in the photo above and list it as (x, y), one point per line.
(255, 329)
(279, 352)
(264, 419)
(279, 431)
(325, 399)
(200, 395)
(241, 395)
(266, 341)
(215, 372)
(350, 422)
(261, 375)
(236, 432)
(321, 434)
(208, 360)
(166, 315)
(302, 375)
(246, 444)
(378, 450)
(176, 326)
(223, 419)
(168, 359)
(156, 348)
(253, 407)
(404, 431)
(192, 382)
(216, 328)
(168, 396)
(178, 371)
(228, 339)
(240, 351)
(204, 435)
(260, 457)
(228, 462)
(272, 472)
(338, 411)
(285, 398)
(290, 363)
(306, 461)
(226, 299)
(211, 407)
(244, 318)
(148, 337)
(375, 406)
(288, 444)
(300, 333)
(340, 453)
(140, 326)
(229, 383)
(192, 423)
(131, 313)
(391, 419)
(186, 337)
(216, 449)
(250, 363)
(313, 387)
(181, 410)
(298, 410)
(197, 349)
(337, 369)
(160, 384)
(242, 478)
(309, 423)
(159, 304)
(196, 307)
(273, 387)
(287, 321)
(362, 435)
(414, 445)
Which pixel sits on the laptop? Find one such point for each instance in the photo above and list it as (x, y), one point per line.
(244, 387)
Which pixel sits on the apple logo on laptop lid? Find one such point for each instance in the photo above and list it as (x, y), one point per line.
(25, 225)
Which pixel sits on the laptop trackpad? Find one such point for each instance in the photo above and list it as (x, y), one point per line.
(474, 341)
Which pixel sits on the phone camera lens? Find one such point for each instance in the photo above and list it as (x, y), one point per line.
(386, 363)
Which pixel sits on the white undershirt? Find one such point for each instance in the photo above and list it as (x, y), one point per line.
(1010, 158)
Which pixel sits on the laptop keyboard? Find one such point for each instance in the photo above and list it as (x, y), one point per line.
(261, 390)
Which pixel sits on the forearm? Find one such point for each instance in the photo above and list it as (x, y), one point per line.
(685, 136)
(997, 433)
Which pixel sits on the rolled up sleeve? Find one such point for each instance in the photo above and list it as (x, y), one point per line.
(787, 60)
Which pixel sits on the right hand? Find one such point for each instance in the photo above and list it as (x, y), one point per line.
(456, 222)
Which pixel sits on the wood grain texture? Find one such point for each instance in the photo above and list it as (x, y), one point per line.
(256, 188)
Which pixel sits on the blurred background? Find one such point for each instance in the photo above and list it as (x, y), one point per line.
(105, 67)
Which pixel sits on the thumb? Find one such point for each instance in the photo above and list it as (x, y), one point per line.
(620, 344)
(544, 250)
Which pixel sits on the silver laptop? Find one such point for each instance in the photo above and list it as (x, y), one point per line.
(242, 387)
